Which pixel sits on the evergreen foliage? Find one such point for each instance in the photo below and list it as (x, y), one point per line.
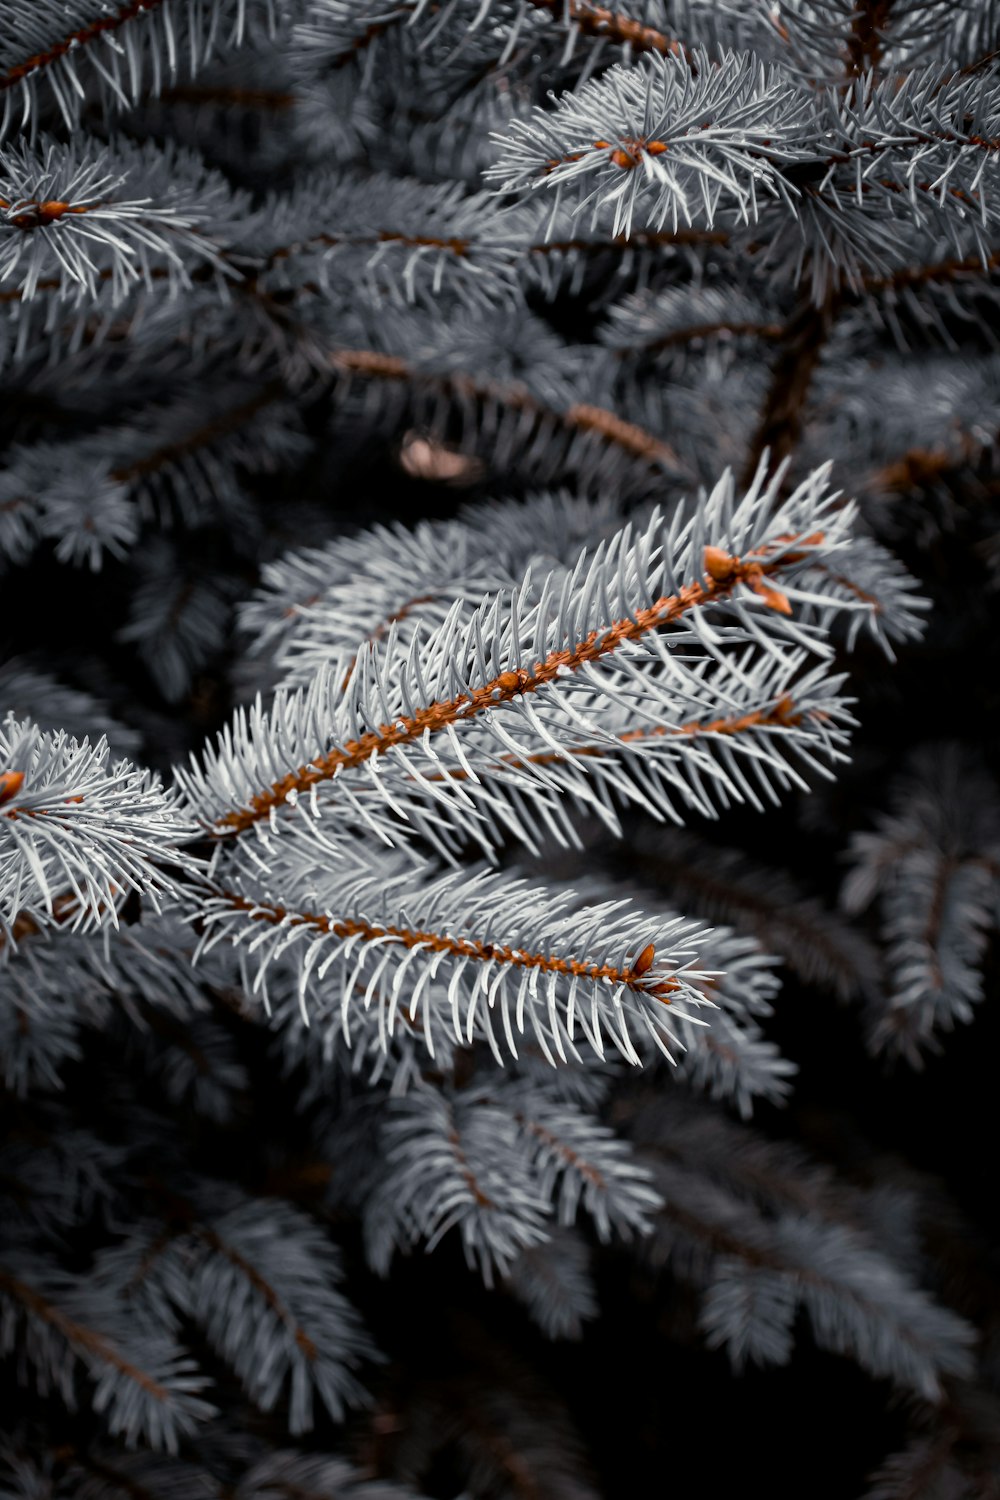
(454, 456)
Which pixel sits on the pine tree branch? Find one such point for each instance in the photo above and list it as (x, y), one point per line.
(488, 245)
(90, 215)
(470, 1176)
(236, 418)
(581, 16)
(678, 336)
(865, 41)
(101, 26)
(606, 425)
(609, 25)
(942, 271)
(781, 715)
(902, 1333)
(79, 1337)
(564, 1151)
(277, 1269)
(932, 865)
(662, 143)
(119, 42)
(782, 418)
(260, 1285)
(656, 987)
(479, 956)
(724, 574)
(73, 818)
(481, 1199)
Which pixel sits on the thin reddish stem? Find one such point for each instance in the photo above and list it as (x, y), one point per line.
(78, 1334)
(582, 417)
(572, 1158)
(73, 40)
(458, 947)
(725, 574)
(782, 715)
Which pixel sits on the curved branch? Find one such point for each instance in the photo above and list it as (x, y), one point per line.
(260, 1285)
(482, 1199)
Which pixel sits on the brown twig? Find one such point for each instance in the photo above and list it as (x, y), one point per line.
(201, 436)
(864, 43)
(78, 1334)
(614, 430)
(782, 715)
(801, 347)
(656, 988)
(591, 20)
(724, 574)
(747, 329)
(73, 40)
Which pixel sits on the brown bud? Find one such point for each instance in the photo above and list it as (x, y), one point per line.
(784, 711)
(11, 783)
(773, 598)
(719, 565)
(645, 960)
(663, 990)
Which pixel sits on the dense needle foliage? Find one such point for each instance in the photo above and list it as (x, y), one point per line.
(499, 823)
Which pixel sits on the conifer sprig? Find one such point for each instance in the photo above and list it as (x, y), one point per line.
(497, 687)
(128, 47)
(662, 143)
(78, 217)
(510, 962)
(79, 832)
